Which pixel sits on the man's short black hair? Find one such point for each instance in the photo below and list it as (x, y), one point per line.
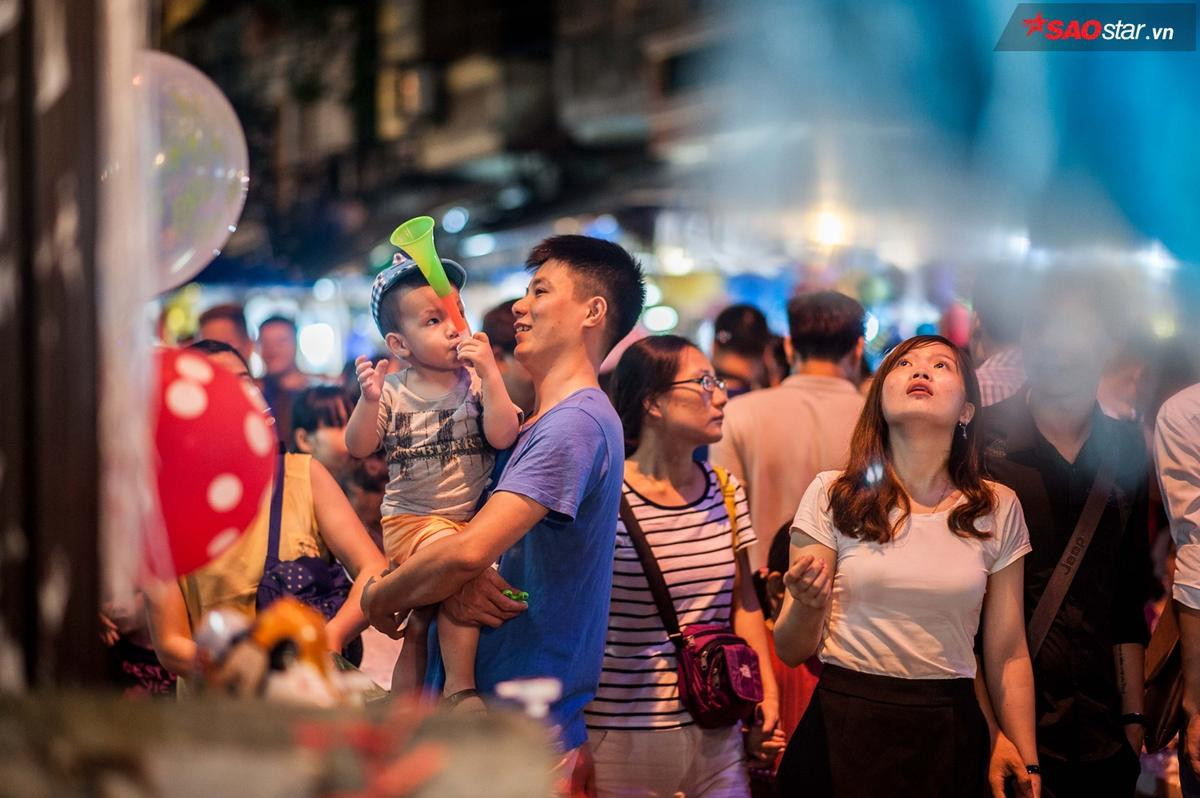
(389, 303)
(277, 319)
(1101, 294)
(210, 347)
(741, 329)
(824, 325)
(498, 326)
(601, 268)
(230, 312)
(777, 555)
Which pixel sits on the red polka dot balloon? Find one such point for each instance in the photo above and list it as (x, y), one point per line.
(215, 460)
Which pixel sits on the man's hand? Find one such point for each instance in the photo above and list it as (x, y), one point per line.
(390, 623)
(1192, 742)
(477, 353)
(481, 602)
(109, 633)
(370, 377)
(1135, 733)
(1006, 761)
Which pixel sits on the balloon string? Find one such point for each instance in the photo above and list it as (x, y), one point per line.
(450, 303)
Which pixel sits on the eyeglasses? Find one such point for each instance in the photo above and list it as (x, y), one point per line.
(708, 382)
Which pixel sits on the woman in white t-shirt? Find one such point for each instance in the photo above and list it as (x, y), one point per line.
(894, 563)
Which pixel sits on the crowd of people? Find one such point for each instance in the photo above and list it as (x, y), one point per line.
(944, 570)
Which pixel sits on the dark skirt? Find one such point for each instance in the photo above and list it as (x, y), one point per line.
(865, 736)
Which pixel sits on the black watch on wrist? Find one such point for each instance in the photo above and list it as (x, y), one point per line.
(1131, 718)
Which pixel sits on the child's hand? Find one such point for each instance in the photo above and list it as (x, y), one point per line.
(370, 378)
(476, 352)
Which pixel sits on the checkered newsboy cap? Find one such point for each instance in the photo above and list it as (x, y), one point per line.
(402, 266)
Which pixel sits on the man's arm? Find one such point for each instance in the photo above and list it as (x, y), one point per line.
(1130, 662)
(1177, 458)
(437, 571)
(1177, 461)
(1189, 638)
(1130, 632)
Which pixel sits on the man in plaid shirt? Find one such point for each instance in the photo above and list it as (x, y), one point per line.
(995, 332)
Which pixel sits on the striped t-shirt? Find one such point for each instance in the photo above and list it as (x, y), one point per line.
(638, 686)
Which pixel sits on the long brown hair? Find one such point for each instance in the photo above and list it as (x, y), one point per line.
(867, 491)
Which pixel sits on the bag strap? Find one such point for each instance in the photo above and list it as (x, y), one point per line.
(1163, 641)
(730, 493)
(1068, 564)
(191, 599)
(276, 517)
(658, 585)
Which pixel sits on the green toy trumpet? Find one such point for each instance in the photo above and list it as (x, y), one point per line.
(416, 238)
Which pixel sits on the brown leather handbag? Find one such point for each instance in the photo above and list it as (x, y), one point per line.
(1164, 681)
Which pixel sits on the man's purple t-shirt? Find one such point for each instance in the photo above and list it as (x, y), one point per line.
(570, 461)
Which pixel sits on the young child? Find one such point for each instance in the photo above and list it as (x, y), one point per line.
(439, 425)
(796, 685)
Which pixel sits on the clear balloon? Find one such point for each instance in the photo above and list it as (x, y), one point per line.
(197, 164)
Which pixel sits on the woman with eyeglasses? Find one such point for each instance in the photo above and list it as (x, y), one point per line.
(645, 742)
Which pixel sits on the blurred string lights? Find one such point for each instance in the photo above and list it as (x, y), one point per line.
(660, 318)
(318, 346)
(455, 219)
(698, 263)
(478, 245)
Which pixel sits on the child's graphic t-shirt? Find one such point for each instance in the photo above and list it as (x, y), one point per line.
(438, 459)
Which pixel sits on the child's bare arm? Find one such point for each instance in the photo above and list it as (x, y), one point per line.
(362, 431)
(501, 419)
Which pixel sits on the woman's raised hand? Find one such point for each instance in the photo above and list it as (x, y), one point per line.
(810, 581)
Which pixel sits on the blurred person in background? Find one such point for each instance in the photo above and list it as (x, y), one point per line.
(643, 738)
(796, 685)
(282, 381)
(316, 521)
(227, 324)
(133, 665)
(498, 326)
(1177, 457)
(277, 346)
(1052, 444)
(1143, 374)
(742, 349)
(998, 303)
(779, 364)
(777, 440)
(319, 417)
